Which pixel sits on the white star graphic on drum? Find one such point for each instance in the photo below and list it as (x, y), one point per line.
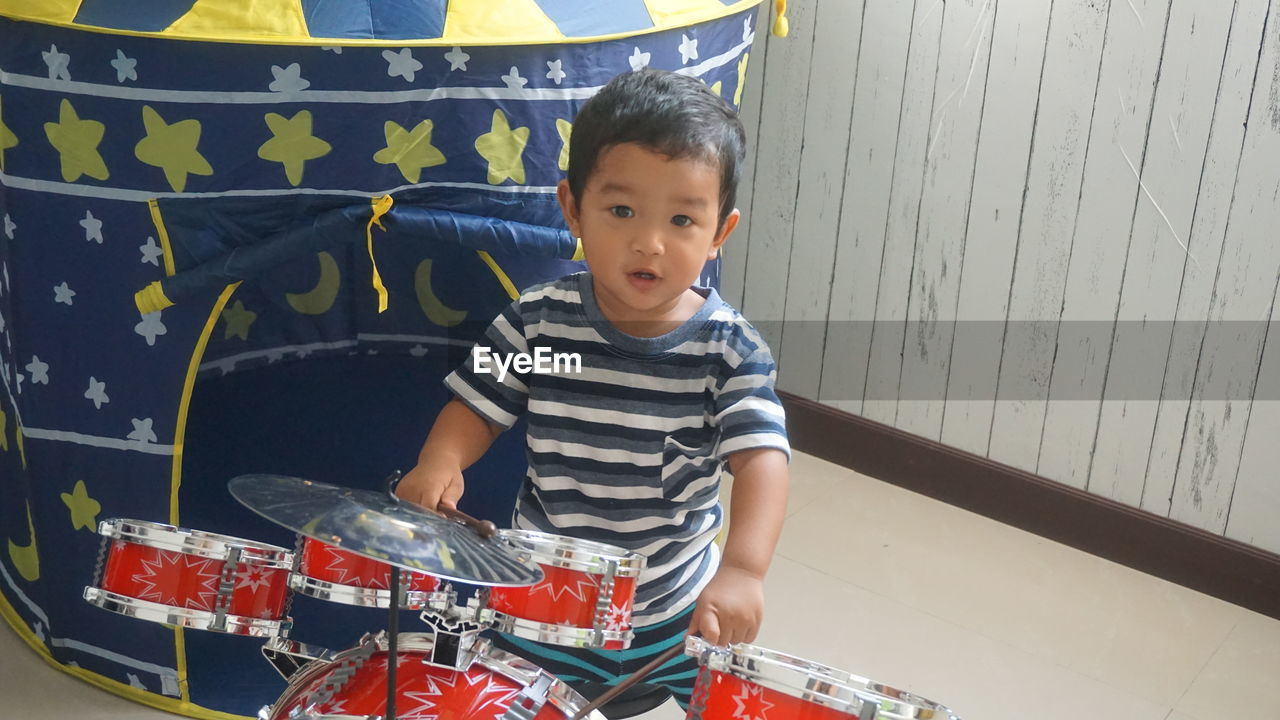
(750, 705)
(252, 577)
(365, 575)
(496, 697)
(167, 567)
(577, 589)
(426, 699)
(618, 619)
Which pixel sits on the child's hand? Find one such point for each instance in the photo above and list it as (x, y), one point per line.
(432, 485)
(730, 609)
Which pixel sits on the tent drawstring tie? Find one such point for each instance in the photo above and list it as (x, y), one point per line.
(380, 207)
(780, 25)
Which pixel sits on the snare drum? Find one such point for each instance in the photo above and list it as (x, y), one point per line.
(353, 685)
(328, 572)
(583, 600)
(191, 578)
(745, 681)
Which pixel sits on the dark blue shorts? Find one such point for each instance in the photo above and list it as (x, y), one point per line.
(610, 667)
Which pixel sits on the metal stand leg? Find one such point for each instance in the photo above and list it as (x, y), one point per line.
(393, 630)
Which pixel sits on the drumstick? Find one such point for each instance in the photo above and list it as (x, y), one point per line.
(484, 528)
(625, 685)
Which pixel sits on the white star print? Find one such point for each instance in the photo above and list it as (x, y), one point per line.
(513, 80)
(151, 252)
(288, 79)
(9, 226)
(150, 326)
(688, 49)
(97, 392)
(92, 228)
(63, 294)
(38, 629)
(638, 60)
(203, 585)
(39, 371)
(135, 682)
(142, 431)
(252, 577)
(618, 618)
(59, 63)
(751, 705)
(457, 59)
(557, 71)
(18, 378)
(274, 356)
(418, 351)
(577, 589)
(332, 48)
(748, 35)
(126, 67)
(401, 64)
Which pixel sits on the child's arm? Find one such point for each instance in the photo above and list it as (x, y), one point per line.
(731, 607)
(458, 438)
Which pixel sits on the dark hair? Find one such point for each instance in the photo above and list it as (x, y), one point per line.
(666, 112)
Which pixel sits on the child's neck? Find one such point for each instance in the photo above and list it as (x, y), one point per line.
(651, 324)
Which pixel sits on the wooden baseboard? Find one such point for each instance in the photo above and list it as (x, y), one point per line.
(1208, 563)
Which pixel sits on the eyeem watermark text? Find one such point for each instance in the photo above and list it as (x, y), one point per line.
(541, 361)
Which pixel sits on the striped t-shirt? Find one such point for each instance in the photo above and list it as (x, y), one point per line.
(628, 449)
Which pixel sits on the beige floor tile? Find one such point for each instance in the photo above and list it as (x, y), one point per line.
(1243, 677)
(1089, 615)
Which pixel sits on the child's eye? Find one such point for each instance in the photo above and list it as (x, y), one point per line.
(682, 221)
(622, 211)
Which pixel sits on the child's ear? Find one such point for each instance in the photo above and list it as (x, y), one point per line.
(568, 207)
(722, 234)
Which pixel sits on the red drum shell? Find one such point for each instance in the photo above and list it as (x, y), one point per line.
(331, 564)
(730, 698)
(354, 684)
(163, 566)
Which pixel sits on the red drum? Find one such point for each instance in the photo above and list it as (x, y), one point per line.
(584, 599)
(191, 578)
(745, 681)
(330, 573)
(495, 685)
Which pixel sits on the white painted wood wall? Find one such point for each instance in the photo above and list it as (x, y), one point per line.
(1000, 184)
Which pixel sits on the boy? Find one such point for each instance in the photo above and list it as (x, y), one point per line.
(673, 384)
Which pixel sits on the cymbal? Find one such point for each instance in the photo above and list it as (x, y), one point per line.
(382, 527)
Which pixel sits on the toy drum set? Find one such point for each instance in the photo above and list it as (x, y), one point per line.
(370, 549)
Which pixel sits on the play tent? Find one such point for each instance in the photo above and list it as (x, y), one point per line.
(252, 236)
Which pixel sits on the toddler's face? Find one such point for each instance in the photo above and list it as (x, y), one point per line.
(648, 224)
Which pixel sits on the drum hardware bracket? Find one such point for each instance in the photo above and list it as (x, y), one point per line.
(454, 639)
(100, 566)
(527, 704)
(226, 586)
(604, 600)
(290, 656)
(870, 709)
(338, 680)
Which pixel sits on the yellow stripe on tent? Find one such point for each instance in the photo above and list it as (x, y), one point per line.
(45, 11)
(479, 23)
(682, 13)
(235, 18)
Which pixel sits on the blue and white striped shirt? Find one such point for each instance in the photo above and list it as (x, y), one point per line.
(629, 450)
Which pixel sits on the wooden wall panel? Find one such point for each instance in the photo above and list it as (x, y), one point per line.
(1190, 79)
(1000, 179)
(884, 369)
(860, 237)
(1068, 90)
(831, 79)
(959, 90)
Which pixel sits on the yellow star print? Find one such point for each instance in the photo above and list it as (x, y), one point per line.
(742, 80)
(7, 139)
(565, 128)
(410, 151)
(238, 320)
(503, 148)
(77, 142)
(84, 509)
(172, 148)
(292, 144)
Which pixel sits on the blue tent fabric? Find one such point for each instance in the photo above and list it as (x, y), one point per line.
(241, 177)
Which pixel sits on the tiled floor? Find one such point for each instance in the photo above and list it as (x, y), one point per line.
(997, 623)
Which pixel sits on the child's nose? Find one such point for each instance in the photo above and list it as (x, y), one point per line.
(647, 241)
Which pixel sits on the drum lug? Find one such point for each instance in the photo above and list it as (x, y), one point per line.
(870, 709)
(226, 587)
(290, 656)
(604, 600)
(529, 702)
